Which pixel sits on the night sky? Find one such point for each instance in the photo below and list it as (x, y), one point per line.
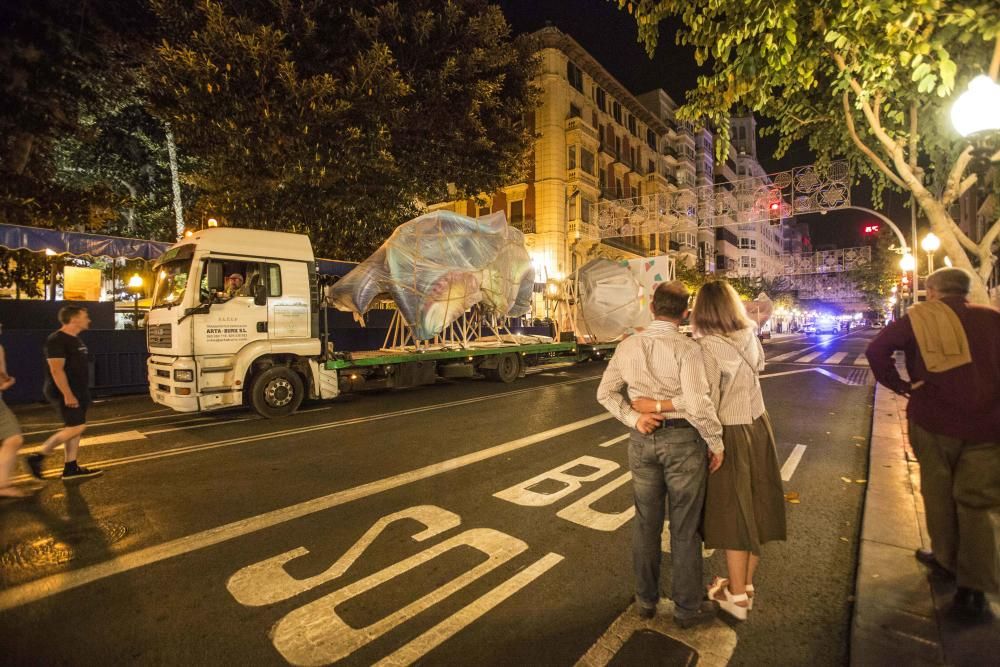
(610, 35)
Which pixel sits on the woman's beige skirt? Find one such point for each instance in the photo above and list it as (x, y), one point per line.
(745, 501)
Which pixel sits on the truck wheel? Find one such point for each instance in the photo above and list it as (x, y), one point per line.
(276, 392)
(507, 370)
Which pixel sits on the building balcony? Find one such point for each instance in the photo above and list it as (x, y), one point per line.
(526, 225)
(578, 127)
(608, 149)
(658, 180)
(627, 244)
(578, 175)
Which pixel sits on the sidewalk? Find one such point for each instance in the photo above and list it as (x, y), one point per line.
(899, 612)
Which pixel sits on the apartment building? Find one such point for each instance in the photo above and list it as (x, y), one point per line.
(596, 141)
(977, 212)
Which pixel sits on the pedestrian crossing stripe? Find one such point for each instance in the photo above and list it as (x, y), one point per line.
(837, 359)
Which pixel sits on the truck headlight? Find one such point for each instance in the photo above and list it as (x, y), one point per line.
(183, 375)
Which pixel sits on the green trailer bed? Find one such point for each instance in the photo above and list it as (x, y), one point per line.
(385, 357)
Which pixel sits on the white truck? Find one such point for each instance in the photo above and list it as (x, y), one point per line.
(236, 320)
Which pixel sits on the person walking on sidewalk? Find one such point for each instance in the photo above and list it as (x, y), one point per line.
(10, 436)
(669, 450)
(952, 353)
(745, 501)
(67, 387)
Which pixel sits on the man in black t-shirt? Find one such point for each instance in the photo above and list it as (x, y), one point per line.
(67, 387)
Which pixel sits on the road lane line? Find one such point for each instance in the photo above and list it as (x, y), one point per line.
(614, 441)
(112, 438)
(106, 422)
(786, 355)
(861, 361)
(821, 343)
(792, 462)
(464, 617)
(832, 376)
(809, 357)
(188, 449)
(58, 583)
(835, 358)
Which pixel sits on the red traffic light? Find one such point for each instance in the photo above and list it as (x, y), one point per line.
(871, 229)
(775, 206)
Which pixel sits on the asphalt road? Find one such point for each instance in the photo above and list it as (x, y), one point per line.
(463, 523)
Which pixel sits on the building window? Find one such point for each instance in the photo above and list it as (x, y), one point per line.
(618, 146)
(651, 167)
(618, 188)
(585, 205)
(517, 212)
(632, 125)
(616, 112)
(571, 158)
(747, 262)
(574, 75)
(482, 210)
(587, 161)
(748, 244)
(651, 139)
(601, 98)
(574, 111)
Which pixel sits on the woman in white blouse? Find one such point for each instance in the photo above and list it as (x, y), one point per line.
(744, 503)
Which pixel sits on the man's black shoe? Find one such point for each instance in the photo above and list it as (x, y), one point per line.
(34, 462)
(704, 614)
(645, 613)
(79, 472)
(926, 557)
(970, 605)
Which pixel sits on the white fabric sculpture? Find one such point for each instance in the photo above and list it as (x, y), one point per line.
(438, 266)
(611, 300)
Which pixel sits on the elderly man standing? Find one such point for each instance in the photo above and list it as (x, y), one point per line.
(670, 451)
(952, 353)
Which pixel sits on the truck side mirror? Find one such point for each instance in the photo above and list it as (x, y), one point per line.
(260, 294)
(216, 281)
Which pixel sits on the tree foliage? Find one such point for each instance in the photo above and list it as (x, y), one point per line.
(875, 279)
(339, 119)
(63, 68)
(870, 80)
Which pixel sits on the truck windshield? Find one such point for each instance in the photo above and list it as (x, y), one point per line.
(171, 282)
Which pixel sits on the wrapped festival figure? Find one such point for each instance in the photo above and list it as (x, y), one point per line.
(437, 266)
(611, 300)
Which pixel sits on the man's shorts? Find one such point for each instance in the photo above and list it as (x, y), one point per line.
(8, 423)
(72, 416)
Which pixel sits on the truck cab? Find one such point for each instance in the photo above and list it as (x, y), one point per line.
(234, 320)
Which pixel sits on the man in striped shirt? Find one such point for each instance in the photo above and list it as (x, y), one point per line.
(670, 452)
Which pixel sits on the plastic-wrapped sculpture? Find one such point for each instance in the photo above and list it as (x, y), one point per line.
(611, 300)
(436, 267)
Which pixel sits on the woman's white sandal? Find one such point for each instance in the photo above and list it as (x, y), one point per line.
(731, 605)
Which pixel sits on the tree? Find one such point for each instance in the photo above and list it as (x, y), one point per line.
(338, 119)
(870, 80)
(875, 279)
(61, 67)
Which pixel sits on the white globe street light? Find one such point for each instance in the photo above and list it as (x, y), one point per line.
(930, 244)
(975, 110)
(974, 114)
(908, 263)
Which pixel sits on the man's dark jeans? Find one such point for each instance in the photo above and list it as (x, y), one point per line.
(669, 466)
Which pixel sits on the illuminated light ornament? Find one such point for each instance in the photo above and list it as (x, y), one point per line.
(976, 109)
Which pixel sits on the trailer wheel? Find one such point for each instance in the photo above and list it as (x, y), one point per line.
(508, 369)
(276, 392)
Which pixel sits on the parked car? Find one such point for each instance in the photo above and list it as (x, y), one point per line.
(877, 324)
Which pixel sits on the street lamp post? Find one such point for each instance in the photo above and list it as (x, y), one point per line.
(930, 244)
(135, 287)
(975, 116)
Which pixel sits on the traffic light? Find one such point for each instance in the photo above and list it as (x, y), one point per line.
(774, 213)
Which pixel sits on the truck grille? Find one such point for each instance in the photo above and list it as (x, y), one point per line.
(158, 335)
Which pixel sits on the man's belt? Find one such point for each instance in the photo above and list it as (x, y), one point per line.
(675, 423)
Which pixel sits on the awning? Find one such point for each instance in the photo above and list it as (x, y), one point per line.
(36, 239)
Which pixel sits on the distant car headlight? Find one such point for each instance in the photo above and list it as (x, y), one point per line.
(184, 376)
